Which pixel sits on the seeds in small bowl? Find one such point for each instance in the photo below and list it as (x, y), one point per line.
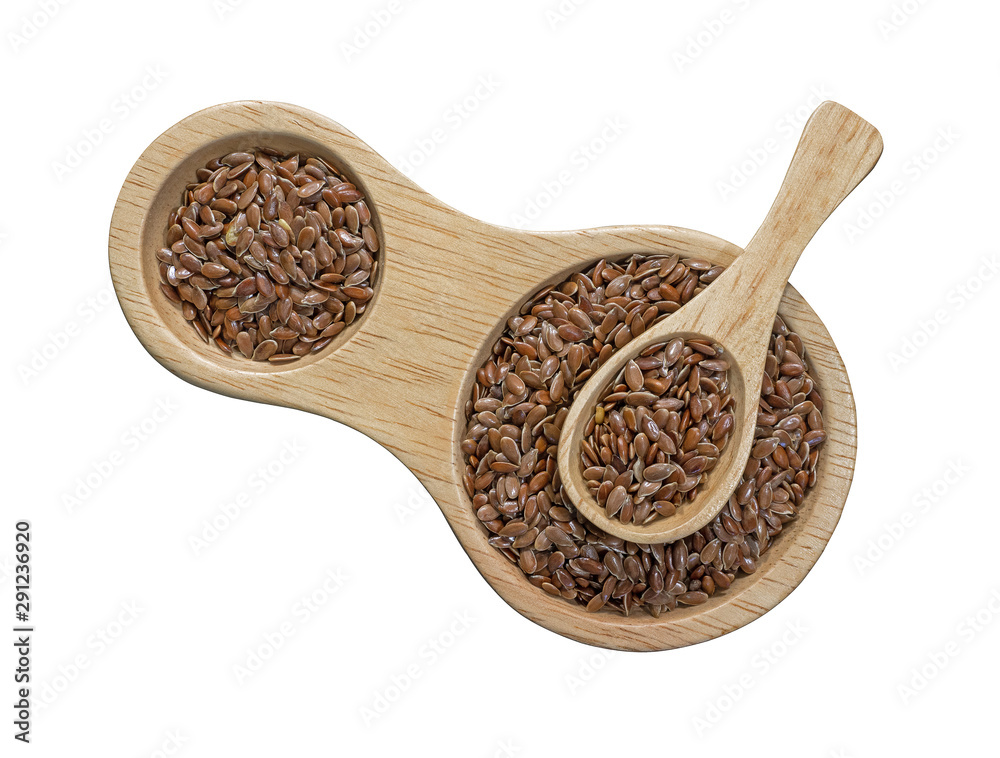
(659, 430)
(269, 255)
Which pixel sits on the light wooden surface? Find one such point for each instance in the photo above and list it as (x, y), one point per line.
(402, 376)
(837, 150)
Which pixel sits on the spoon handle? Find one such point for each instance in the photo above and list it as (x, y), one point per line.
(837, 150)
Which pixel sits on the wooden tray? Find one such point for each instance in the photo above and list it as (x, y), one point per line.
(402, 373)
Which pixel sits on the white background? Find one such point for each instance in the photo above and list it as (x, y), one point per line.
(139, 633)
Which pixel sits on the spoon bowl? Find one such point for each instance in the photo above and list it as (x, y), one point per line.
(711, 496)
(836, 152)
(403, 375)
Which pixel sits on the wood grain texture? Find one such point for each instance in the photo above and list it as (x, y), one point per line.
(402, 374)
(837, 150)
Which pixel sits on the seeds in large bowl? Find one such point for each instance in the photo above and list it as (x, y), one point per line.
(270, 256)
(521, 398)
(658, 430)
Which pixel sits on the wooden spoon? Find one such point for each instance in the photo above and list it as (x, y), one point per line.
(836, 151)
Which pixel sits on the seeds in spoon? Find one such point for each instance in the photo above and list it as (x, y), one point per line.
(692, 397)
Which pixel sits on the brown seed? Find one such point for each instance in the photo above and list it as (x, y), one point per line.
(618, 286)
(514, 384)
(265, 350)
(214, 270)
(658, 472)
(673, 351)
(243, 241)
(352, 219)
(357, 293)
(247, 197)
(633, 376)
(692, 598)
(264, 285)
(204, 194)
(280, 234)
(245, 288)
(616, 500)
(814, 437)
(245, 344)
(309, 189)
(235, 159)
(765, 447)
(346, 193)
(696, 465)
